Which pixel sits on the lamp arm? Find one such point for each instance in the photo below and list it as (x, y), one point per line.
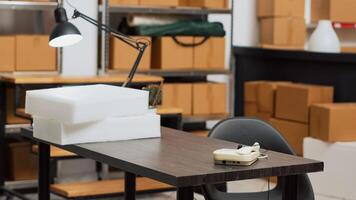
(140, 46)
(125, 38)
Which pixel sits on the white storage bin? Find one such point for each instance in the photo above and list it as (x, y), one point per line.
(110, 129)
(78, 104)
(339, 177)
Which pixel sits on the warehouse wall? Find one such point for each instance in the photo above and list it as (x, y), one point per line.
(245, 23)
(82, 59)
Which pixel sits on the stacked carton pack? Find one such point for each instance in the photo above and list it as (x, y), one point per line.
(333, 132)
(26, 53)
(94, 113)
(260, 99)
(282, 23)
(286, 106)
(315, 127)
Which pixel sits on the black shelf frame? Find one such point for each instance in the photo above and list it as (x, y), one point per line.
(332, 69)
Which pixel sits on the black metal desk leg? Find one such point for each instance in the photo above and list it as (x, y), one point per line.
(185, 193)
(44, 172)
(130, 186)
(290, 188)
(2, 135)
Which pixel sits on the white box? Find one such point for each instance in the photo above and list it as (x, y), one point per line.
(79, 104)
(339, 177)
(110, 129)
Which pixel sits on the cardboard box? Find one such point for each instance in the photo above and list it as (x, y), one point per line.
(164, 2)
(10, 115)
(280, 8)
(294, 100)
(123, 2)
(211, 54)
(250, 109)
(201, 133)
(264, 116)
(250, 91)
(348, 49)
(266, 93)
(218, 98)
(334, 10)
(209, 98)
(7, 53)
(293, 132)
(34, 54)
(123, 56)
(178, 96)
(217, 4)
(333, 122)
(285, 31)
(337, 181)
(23, 163)
(169, 55)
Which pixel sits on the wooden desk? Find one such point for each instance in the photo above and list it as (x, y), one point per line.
(179, 159)
(18, 82)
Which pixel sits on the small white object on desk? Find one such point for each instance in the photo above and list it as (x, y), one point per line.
(80, 104)
(245, 155)
(110, 129)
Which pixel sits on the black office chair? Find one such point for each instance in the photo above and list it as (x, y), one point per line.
(248, 131)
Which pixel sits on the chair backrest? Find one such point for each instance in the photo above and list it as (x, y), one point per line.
(247, 131)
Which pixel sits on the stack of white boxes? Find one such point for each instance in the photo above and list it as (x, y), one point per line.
(94, 113)
(338, 180)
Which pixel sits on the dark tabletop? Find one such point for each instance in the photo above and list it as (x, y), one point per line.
(182, 159)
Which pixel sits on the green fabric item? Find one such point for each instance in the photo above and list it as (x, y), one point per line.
(183, 28)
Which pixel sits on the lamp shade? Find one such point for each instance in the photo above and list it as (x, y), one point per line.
(65, 33)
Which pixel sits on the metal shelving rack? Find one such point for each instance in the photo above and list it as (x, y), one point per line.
(106, 10)
(9, 186)
(37, 7)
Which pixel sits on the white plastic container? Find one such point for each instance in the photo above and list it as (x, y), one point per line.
(339, 177)
(110, 129)
(80, 104)
(324, 38)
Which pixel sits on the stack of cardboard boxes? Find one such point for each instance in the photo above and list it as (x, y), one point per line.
(333, 140)
(282, 23)
(26, 53)
(286, 106)
(218, 4)
(199, 99)
(334, 10)
(260, 99)
(163, 52)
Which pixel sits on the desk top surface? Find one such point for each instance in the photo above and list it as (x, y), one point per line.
(182, 159)
(58, 79)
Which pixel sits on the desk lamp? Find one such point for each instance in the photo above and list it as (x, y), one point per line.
(66, 34)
